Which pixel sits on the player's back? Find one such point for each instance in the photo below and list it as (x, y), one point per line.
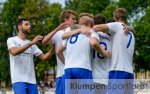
(100, 64)
(78, 52)
(122, 48)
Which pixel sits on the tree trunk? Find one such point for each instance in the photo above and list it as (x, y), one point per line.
(145, 73)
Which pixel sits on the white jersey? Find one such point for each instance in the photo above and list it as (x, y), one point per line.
(122, 48)
(57, 40)
(22, 66)
(100, 64)
(78, 51)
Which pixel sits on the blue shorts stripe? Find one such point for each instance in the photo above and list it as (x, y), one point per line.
(120, 82)
(78, 73)
(60, 81)
(25, 88)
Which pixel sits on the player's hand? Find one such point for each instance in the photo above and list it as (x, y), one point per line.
(125, 29)
(63, 25)
(86, 31)
(106, 54)
(36, 39)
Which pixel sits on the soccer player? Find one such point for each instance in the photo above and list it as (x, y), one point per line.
(122, 51)
(100, 64)
(21, 52)
(67, 19)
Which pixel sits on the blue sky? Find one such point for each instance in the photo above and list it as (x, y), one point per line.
(62, 2)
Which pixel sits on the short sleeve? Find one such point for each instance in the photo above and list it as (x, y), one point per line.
(64, 42)
(68, 29)
(94, 34)
(36, 50)
(10, 43)
(112, 27)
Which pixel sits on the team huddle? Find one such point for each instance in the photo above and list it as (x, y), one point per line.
(92, 49)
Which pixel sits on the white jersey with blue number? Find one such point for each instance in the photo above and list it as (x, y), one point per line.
(78, 51)
(57, 40)
(122, 48)
(100, 64)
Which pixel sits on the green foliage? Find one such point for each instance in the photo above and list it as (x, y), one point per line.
(134, 7)
(10, 12)
(90, 6)
(108, 12)
(142, 36)
(8, 18)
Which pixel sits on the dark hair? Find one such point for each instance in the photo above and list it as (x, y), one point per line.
(66, 14)
(19, 22)
(110, 20)
(99, 19)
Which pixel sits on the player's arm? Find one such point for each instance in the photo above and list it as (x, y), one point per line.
(95, 44)
(59, 53)
(69, 34)
(17, 50)
(46, 56)
(84, 30)
(60, 50)
(51, 34)
(101, 28)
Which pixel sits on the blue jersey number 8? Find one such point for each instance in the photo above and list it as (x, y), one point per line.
(95, 53)
(74, 38)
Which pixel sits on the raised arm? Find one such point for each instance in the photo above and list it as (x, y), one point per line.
(101, 28)
(51, 34)
(69, 34)
(17, 50)
(83, 29)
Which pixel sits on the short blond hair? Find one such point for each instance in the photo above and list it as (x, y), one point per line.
(85, 20)
(85, 14)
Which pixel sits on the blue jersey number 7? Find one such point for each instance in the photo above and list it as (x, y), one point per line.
(129, 40)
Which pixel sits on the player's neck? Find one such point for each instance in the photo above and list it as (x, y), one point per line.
(22, 36)
(86, 26)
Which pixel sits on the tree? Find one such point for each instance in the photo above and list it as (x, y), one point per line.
(90, 6)
(142, 35)
(108, 12)
(134, 7)
(8, 16)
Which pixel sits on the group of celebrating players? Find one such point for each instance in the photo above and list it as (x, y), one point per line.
(93, 49)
